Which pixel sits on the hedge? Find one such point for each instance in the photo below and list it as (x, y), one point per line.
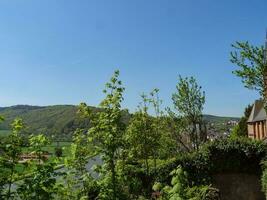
(241, 155)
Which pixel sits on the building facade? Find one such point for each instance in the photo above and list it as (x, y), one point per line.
(257, 121)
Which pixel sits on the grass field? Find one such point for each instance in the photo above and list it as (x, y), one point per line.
(49, 148)
(21, 168)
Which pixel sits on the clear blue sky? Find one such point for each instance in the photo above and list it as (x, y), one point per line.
(62, 52)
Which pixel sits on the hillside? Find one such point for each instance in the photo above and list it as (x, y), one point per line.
(61, 119)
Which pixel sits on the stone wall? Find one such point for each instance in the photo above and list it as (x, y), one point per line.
(238, 186)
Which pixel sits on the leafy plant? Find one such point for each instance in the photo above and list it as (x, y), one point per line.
(41, 183)
(241, 129)
(253, 66)
(76, 165)
(181, 190)
(141, 135)
(188, 101)
(106, 136)
(10, 156)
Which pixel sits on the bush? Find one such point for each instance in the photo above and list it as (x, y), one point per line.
(180, 189)
(205, 192)
(195, 164)
(240, 155)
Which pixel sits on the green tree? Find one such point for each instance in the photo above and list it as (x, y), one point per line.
(80, 155)
(159, 125)
(106, 135)
(12, 149)
(140, 135)
(252, 64)
(77, 182)
(41, 184)
(188, 103)
(241, 129)
(163, 142)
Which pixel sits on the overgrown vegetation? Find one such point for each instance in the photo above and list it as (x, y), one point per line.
(61, 121)
(241, 129)
(252, 63)
(156, 153)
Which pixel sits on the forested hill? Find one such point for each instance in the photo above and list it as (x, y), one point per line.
(60, 119)
(54, 120)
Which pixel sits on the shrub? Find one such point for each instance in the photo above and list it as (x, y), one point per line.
(240, 155)
(203, 192)
(180, 189)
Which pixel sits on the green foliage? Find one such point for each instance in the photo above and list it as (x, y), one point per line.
(80, 152)
(140, 139)
(241, 129)
(180, 189)
(196, 165)
(134, 157)
(189, 99)
(41, 184)
(236, 132)
(142, 135)
(106, 136)
(76, 182)
(250, 59)
(203, 192)
(163, 143)
(188, 103)
(179, 184)
(11, 150)
(60, 121)
(240, 155)
(147, 141)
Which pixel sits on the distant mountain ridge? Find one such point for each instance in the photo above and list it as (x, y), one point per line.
(61, 119)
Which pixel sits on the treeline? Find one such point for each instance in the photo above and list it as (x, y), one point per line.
(61, 120)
